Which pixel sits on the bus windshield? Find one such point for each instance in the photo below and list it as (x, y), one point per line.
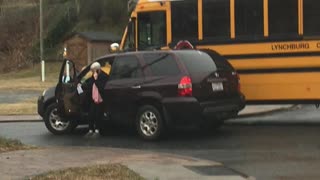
(152, 30)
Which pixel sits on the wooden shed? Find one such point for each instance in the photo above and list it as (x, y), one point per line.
(84, 47)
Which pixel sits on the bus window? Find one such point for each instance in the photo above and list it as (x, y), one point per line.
(216, 19)
(283, 18)
(184, 20)
(311, 16)
(152, 29)
(249, 19)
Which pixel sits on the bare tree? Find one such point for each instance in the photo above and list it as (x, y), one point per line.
(94, 10)
(78, 6)
(1, 3)
(116, 10)
(18, 34)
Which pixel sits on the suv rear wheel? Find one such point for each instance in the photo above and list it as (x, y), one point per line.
(149, 123)
(55, 124)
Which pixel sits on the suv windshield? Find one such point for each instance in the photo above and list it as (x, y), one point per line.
(199, 64)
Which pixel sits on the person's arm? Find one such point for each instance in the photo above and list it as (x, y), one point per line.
(87, 84)
(101, 81)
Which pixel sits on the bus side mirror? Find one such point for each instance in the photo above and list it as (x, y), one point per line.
(114, 47)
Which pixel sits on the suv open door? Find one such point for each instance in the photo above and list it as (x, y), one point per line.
(66, 91)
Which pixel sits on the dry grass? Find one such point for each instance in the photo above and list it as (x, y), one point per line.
(31, 83)
(28, 107)
(12, 145)
(28, 79)
(111, 171)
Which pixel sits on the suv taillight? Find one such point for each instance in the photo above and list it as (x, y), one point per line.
(185, 87)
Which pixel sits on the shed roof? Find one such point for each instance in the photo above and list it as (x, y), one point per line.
(100, 36)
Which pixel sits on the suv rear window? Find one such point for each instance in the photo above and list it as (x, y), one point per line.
(197, 62)
(161, 64)
(220, 61)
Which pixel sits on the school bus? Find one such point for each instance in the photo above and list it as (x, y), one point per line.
(273, 44)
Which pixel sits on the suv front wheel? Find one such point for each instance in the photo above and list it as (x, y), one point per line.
(55, 124)
(149, 123)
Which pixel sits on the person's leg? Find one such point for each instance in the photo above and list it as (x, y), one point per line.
(95, 119)
(91, 117)
(99, 116)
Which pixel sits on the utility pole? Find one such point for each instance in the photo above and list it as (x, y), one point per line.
(41, 43)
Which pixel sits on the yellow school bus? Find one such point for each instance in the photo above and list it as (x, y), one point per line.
(273, 44)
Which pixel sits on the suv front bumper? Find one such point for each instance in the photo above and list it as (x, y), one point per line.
(41, 106)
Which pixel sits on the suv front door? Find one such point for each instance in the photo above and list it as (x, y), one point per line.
(66, 90)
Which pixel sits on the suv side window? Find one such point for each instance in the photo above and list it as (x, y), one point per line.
(106, 66)
(126, 67)
(161, 64)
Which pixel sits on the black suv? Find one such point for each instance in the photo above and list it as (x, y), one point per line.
(152, 90)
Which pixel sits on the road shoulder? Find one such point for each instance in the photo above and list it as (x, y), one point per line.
(21, 164)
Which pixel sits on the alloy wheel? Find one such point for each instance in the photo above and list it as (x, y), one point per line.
(149, 123)
(56, 121)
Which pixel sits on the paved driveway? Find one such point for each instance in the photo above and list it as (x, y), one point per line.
(263, 151)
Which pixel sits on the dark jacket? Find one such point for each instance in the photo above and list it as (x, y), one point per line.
(100, 83)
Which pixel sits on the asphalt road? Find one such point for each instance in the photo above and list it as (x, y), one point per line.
(264, 151)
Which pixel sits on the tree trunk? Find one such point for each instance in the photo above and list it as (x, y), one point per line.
(78, 6)
(1, 7)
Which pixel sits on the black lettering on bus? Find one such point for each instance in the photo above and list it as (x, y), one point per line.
(285, 47)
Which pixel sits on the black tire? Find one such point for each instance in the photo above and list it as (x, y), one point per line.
(149, 123)
(51, 117)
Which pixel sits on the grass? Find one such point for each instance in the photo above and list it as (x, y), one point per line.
(27, 79)
(111, 171)
(12, 145)
(27, 107)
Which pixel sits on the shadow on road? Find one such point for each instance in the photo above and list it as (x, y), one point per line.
(120, 137)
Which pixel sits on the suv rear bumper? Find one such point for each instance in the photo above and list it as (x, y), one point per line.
(189, 109)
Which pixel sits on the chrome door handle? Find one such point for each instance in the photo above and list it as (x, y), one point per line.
(136, 87)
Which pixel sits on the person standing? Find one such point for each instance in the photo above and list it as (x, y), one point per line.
(95, 85)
